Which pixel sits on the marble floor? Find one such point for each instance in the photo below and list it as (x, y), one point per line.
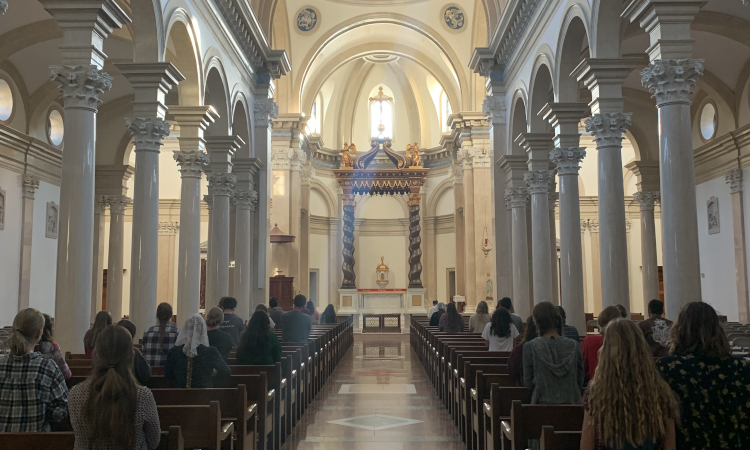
(378, 398)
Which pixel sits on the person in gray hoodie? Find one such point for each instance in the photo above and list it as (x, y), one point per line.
(552, 364)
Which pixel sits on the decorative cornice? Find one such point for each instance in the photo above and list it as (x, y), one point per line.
(80, 86)
(148, 133)
(191, 163)
(457, 172)
(567, 159)
(538, 180)
(494, 108)
(30, 185)
(168, 228)
(287, 159)
(517, 197)
(734, 180)
(116, 203)
(608, 128)
(647, 199)
(222, 184)
(672, 81)
(265, 110)
(245, 199)
(475, 157)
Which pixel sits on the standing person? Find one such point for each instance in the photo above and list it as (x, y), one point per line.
(623, 311)
(593, 342)
(314, 316)
(506, 303)
(552, 364)
(480, 319)
(192, 361)
(141, 369)
(233, 324)
(432, 310)
(159, 339)
(515, 361)
(435, 319)
(642, 415)
(451, 321)
(296, 324)
(49, 348)
(569, 331)
(264, 308)
(109, 410)
(216, 337)
(275, 311)
(711, 384)
(102, 320)
(328, 316)
(656, 329)
(500, 333)
(33, 394)
(259, 345)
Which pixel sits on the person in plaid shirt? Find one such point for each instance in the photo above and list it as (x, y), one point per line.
(33, 394)
(158, 339)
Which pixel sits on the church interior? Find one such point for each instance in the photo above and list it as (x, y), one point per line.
(377, 156)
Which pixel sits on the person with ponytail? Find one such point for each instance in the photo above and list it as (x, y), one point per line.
(160, 338)
(102, 320)
(32, 388)
(110, 411)
(192, 361)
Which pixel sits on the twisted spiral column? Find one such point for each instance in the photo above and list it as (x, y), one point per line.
(348, 252)
(415, 242)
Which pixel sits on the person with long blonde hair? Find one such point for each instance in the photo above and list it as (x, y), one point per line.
(110, 410)
(480, 319)
(628, 405)
(33, 390)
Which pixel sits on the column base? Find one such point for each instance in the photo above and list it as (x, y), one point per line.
(348, 301)
(415, 300)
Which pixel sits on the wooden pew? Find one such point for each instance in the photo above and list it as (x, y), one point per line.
(65, 440)
(559, 440)
(202, 426)
(454, 367)
(478, 396)
(464, 399)
(233, 403)
(497, 410)
(526, 421)
(275, 383)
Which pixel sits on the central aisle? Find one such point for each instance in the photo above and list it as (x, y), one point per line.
(379, 398)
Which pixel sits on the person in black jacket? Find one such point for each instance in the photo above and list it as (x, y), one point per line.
(435, 319)
(216, 337)
(192, 361)
(141, 369)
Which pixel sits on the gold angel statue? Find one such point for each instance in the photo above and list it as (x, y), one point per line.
(412, 151)
(346, 157)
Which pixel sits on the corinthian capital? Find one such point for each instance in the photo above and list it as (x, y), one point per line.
(457, 172)
(517, 197)
(30, 185)
(608, 128)
(552, 198)
(475, 157)
(209, 199)
(672, 80)
(494, 108)
(80, 86)
(147, 132)
(245, 199)
(307, 173)
(265, 110)
(191, 163)
(647, 199)
(567, 159)
(116, 203)
(538, 180)
(222, 184)
(734, 180)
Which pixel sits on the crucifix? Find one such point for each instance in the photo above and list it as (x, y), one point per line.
(380, 99)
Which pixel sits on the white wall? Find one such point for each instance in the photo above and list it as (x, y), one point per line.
(446, 259)
(10, 240)
(43, 253)
(319, 261)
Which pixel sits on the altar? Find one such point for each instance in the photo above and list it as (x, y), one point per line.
(371, 303)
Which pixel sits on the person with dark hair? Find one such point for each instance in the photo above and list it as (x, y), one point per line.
(593, 342)
(314, 316)
(109, 410)
(435, 319)
(328, 316)
(264, 308)
(569, 331)
(500, 333)
(102, 320)
(711, 384)
(192, 361)
(432, 310)
(233, 324)
(451, 321)
(296, 324)
(49, 348)
(216, 337)
(515, 361)
(259, 345)
(275, 311)
(34, 393)
(141, 369)
(552, 364)
(481, 318)
(657, 329)
(160, 338)
(623, 311)
(506, 303)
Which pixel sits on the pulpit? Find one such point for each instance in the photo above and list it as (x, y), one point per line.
(283, 288)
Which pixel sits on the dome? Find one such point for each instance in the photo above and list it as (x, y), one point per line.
(382, 266)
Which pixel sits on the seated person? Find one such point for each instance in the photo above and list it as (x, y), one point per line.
(435, 318)
(160, 338)
(216, 337)
(259, 345)
(296, 324)
(141, 369)
(192, 361)
(49, 348)
(451, 321)
(264, 308)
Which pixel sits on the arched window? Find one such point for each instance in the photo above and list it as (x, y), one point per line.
(445, 111)
(381, 115)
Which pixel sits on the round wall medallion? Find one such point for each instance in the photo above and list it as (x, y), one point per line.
(453, 18)
(307, 20)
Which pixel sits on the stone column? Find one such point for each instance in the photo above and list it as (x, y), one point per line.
(97, 276)
(734, 180)
(286, 163)
(554, 280)
(567, 161)
(306, 174)
(596, 265)
(517, 197)
(209, 200)
(117, 205)
(245, 202)
(457, 175)
(30, 185)
(165, 288)
(151, 82)
(586, 296)
(649, 264)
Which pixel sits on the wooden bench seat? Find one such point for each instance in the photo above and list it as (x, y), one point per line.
(559, 440)
(202, 425)
(526, 421)
(65, 440)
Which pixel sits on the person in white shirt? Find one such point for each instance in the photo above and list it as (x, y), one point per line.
(432, 310)
(500, 332)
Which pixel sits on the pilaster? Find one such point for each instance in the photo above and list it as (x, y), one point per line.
(29, 187)
(734, 180)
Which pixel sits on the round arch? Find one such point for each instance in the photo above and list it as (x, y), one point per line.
(186, 58)
(327, 195)
(518, 123)
(542, 86)
(437, 194)
(148, 30)
(216, 94)
(574, 32)
(605, 28)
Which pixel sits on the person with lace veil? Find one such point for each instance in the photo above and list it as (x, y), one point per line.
(192, 362)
